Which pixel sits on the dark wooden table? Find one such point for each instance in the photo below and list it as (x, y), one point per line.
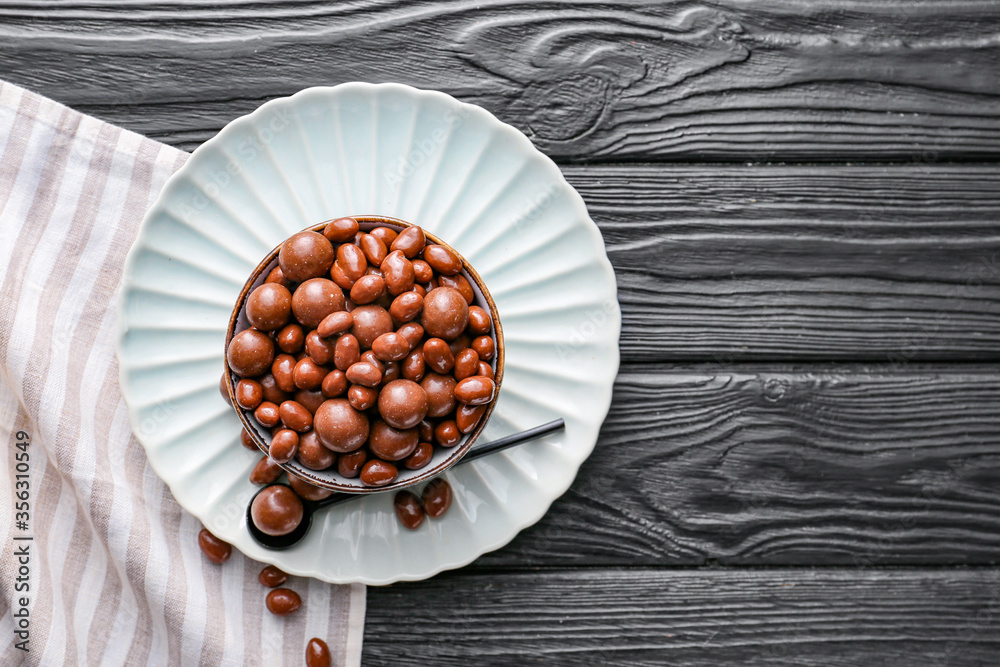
(801, 200)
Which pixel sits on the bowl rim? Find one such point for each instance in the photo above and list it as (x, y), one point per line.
(456, 454)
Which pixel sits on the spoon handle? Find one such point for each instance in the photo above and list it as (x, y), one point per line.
(476, 452)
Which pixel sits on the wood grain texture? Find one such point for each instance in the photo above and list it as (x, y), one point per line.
(726, 80)
(798, 618)
(891, 264)
(766, 465)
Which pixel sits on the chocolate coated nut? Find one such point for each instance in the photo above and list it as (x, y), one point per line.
(338, 276)
(269, 306)
(391, 444)
(224, 388)
(370, 322)
(249, 394)
(291, 339)
(312, 454)
(412, 332)
(445, 314)
(402, 404)
(308, 374)
(277, 276)
(314, 299)
(317, 653)
(271, 576)
(283, 370)
(250, 353)
(426, 430)
(319, 349)
(267, 414)
(372, 359)
(367, 289)
(438, 356)
(467, 416)
(440, 394)
(442, 260)
(466, 363)
(341, 230)
(373, 248)
(360, 397)
(479, 321)
(378, 473)
(436, 498)
(272, 392)
(265, 472)
(339, 426)
(390, 346)
(420, 457)
(484, 347)
(214, 549)
(408, 510)
(422, 271)
(475, 390)
(284, 445)
(310, 399)
(306, 490)
(413, 367)
(365, 374)
(295, 416)
(247, 441)
(447, 434)
(282, 601)
(334, 384)
(335, 323)
(385, 234)
(460, 284)
(410, 242)
(305, 255)
(349, 465)
(391, 373)
(351, 261)
(406, 306)
(398, 272)
(485, 370)
(346, 352)
(462, 342)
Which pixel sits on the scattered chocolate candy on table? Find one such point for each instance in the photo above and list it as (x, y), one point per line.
(365, 352)
(214, 549)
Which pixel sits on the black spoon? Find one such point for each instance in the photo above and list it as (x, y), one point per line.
(309, 507)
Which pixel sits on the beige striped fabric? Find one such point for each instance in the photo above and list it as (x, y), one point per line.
(112, 573)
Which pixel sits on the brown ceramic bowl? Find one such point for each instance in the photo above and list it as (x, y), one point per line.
(330, 478)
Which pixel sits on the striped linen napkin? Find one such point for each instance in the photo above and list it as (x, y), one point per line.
(112, 574)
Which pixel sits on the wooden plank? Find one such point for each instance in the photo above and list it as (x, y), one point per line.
(799, 617)
(728, 80)
(768, 465)
(891, 264)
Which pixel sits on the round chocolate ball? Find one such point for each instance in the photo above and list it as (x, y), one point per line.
(370, 322)
(445, 314)
(269, 306)
(250, 353)
(402, 403)
(339, 426)
(276, 510)
(440, 391)
(315, 299)
(391, 444)
(312, 454)
(305, 255)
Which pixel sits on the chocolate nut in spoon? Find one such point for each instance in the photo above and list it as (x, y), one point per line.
(288, 521)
